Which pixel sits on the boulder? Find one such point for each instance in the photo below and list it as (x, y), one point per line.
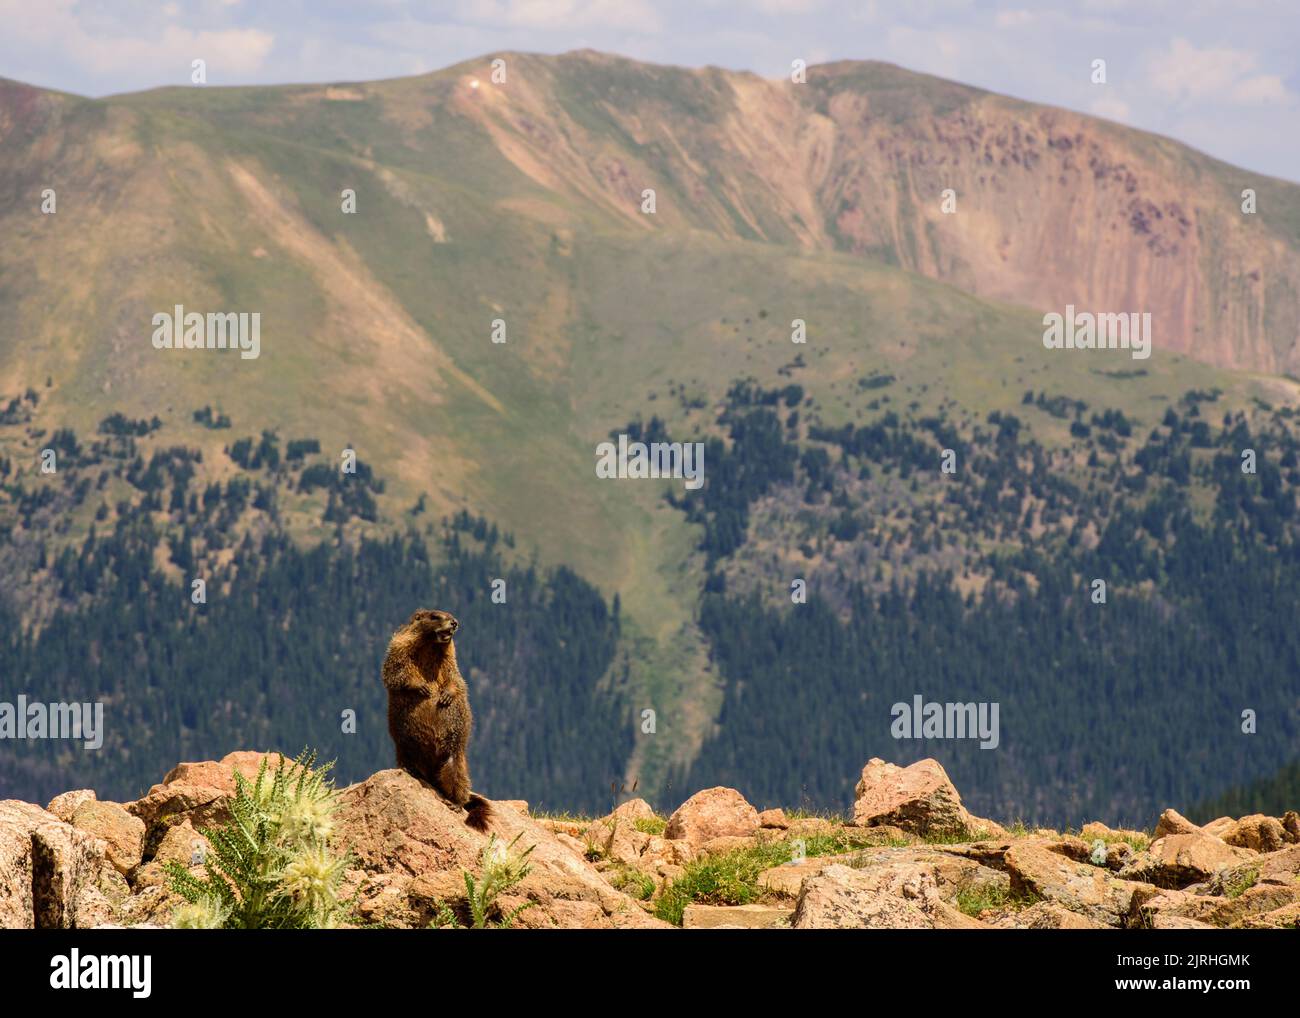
(197, 792)
(1081, 887)
(1259, 832)
(1173, 822)
(616, 836)
(1291, 824)
(1280, 867)
(952, 872)
(749, 917)
(123, 832)
(1045, 915)
(53, 876)
(183, 844)
(1219, 827)
(63, 806)
(1286, 917)
(400, 829)
(891, 896)
(774, 819)
(918, 799)
(1158, 909)
(1176, 860)
(1097, 831)
(712, 813)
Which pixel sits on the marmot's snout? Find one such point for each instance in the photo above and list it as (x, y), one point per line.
(440, 625)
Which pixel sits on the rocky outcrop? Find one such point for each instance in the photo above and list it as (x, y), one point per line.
(892, 896)
(1177, 860)
(712, 813)
(919, 799)
(1087, 890)
(52, 875)
(411, 847)
(195, 792)
(912, 857)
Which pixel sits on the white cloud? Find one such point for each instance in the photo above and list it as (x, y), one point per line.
(113, 48)
(624, 15)
(1184, 72)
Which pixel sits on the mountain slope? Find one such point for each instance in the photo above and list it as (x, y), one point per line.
(521, 202)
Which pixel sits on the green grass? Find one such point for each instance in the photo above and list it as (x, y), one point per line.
(632, 882)
(973, 900)
(651, 825)
(731, 878)
(727, 879)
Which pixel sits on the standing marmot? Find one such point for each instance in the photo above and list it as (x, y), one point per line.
(428, 709)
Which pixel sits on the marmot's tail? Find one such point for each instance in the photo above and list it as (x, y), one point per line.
(479, 812)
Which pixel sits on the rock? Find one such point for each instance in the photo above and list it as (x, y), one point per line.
(153, 905)
(183, 844)
(895, 896)
(1262, 833)
(1174, 922)
(52, 875)
(919, 799)
(1219, 826)
(63, 806)
(1097, 831)
(1089, 890)
(1286, 917)
(1278, 867)
(773, 818)
(712, 813)
(1097, 851)
(1173, 822)
(1046, 915)
(1176, 860)
(749, 917)
(1156, 909)
(123, 832)
(17, 821)
(519, 805)
(400, 829)
(616, 836)
(1291, 824)
(951, 872)
(197, 792)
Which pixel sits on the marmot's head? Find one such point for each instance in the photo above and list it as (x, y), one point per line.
(437, 626)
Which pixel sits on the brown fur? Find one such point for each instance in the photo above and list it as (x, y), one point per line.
(428, 709)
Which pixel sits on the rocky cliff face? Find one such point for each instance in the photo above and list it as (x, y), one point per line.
(910, 856)
(1052, 207)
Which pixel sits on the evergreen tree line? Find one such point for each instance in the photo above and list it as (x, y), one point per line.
(290, 638)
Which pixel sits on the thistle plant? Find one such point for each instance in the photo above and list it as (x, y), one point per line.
(502, 870)
(271, 865)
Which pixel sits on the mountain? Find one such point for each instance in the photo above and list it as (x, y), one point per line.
(521, 202)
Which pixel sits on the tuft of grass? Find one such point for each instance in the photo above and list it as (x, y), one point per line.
(727, 879)
(633, 882)
(651, 825)
(731, 878)
(974, 899)
(561, 817)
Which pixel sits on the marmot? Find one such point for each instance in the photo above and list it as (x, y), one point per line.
(428, 709)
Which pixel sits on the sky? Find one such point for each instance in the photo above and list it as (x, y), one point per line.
(1221, 76)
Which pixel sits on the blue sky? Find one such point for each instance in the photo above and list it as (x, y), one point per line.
(1222, 76)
